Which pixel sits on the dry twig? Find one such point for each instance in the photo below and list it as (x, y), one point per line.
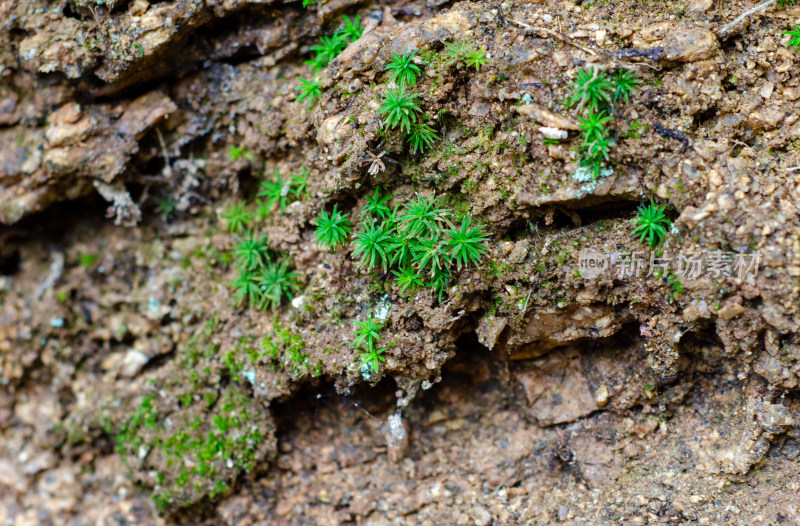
(725, 30)
(555, 34)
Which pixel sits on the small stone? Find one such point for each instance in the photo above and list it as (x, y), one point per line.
(11, 477)
(553, 133)
(133, 362)
(732, 308)
(298, 302)
(234, 510)
(700, 6)
(480, 515)
(601, 396)
(696, 310)
(66, 114)
(489, 329)
(766, 90)
(714, 178)
(690, 44)
(397, 437)
(480, 108)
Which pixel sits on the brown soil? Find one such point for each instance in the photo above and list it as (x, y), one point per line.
(135, 390)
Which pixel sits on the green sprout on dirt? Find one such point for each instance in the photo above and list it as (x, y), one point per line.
(350, 32)
(372, 244)
(624, 84)
(591, 90)
(456, 51)
(263, 210)
(329, 47)
(793, 42)
(307, 3)
(400, 108)
(376, 206)
(281, 190)
(403, 69)
(408, 278)
(166, 206)
(246, 287)
(332, 229)
(421, 136)
(310, 91)
(250, 252)
(466, 244)
(367, 335)
(240, 152)
(651, 224)
(422, 216)
(417, 241)
(429, 253)
(675, 286)
(366, 332)
(299, 182)
(276, 191)
(262, 281)
(401, 249)
(237, 217)
(595, 152)
(87, 260)
(439, 282)
(477, 58)
(371, 359)
(464, 52)
(593, 127)
(275, 282)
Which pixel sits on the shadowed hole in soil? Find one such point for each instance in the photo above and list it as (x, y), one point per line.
(703, 119)
(199, 48)
(9, 260)
(474, 369)
(297, 412)
(565, 218)
(59, 219)
(606, 211)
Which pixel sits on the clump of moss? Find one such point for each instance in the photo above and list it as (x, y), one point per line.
(194, 434)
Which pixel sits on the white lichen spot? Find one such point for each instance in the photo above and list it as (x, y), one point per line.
(585, 175)
(382, 308)
(298, 302)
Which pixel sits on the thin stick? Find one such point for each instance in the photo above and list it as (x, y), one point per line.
(744, 15)
(164, 153)
(556, 35)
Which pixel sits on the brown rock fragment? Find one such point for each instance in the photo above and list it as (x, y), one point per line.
(689, 44)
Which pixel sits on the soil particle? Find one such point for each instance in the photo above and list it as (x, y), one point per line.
(689, 44)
